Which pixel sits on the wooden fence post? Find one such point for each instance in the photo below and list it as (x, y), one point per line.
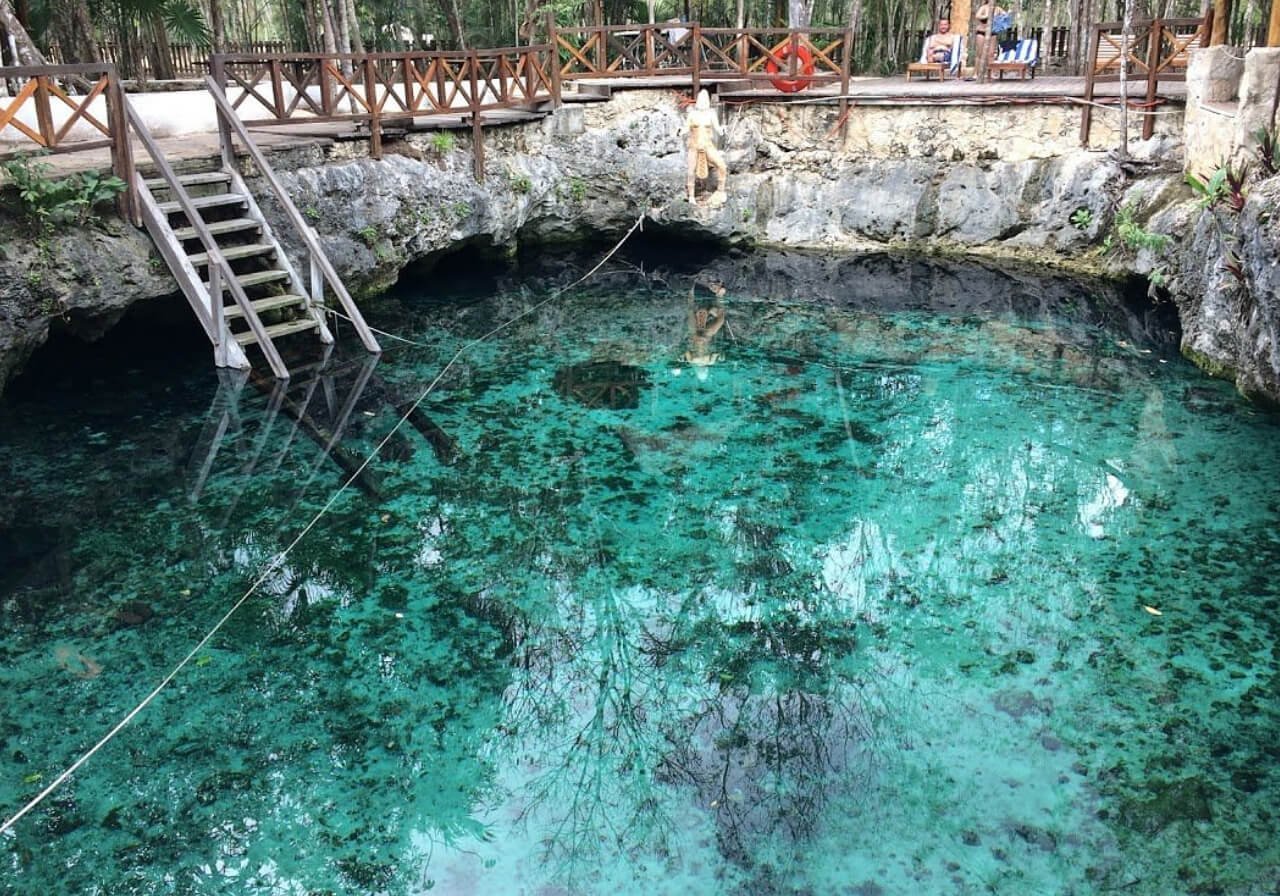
(1154, 42)
(121, 149)
(554, 61)
(477, 129)
(218, 75)
(44, 113)
(696, 49)
(375, 109)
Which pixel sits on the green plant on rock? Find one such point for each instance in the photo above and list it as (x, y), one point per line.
(460, 210)
(577, 189)
(1233, 264)
(368, 235)
(521, 183)
(443, 142)
(1132, 235)
(1226, 186)
(1081, 218)
(311, 213)
(52, 201)
(1268, 150)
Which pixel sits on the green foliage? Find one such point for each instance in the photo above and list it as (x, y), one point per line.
(1081, 218)
(521, 183)
(443, 142)
(1268, 150)
(460, 210)
(577, 189)
(1226, 186)
(50, 201)
(185, 21)
(1233, 264)
(1132, 235)
(311, 213)
(368, 235)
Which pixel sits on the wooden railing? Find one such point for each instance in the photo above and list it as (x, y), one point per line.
(807, 55)
(380, 87)
(48, 115)
(1149, 52)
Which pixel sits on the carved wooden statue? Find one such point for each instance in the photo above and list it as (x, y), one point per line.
(702, 127)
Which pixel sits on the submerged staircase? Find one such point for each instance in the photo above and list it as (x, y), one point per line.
(225, 257)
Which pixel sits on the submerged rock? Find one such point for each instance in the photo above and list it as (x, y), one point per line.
(1187, 799)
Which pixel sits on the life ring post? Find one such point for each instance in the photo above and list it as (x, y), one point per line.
(799, 64)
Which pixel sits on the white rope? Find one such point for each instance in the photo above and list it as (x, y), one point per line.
(276, 563)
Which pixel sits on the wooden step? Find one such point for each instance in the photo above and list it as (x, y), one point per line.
(202, 202)
(233, 253)
(277, 330)
(258, 278)
(217, 228)
(270, 303)
(198, 179)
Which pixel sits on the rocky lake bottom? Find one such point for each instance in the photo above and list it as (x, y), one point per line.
(760, 575)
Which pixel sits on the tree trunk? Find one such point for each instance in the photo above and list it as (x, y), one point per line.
(353, 28)
(1126, 30)
(26, 50)
(342, 37)
(1221, 22)
(74, 31)
(855, 21)
(799, 13)
(217, 27)
(158, 49)
(315, 26)
(453, 15)
(329, 31)
(1046, 33)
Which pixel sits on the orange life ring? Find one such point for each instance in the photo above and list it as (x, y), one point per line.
(804, 60)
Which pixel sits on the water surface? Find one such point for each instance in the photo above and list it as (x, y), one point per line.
(903, 578)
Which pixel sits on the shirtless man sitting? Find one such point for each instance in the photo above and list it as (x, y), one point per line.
(939, 45)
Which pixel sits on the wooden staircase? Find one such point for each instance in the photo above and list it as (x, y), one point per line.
(277, 297)
(226, 259)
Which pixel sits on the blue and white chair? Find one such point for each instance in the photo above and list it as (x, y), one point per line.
(1021, 60)
(927, 66)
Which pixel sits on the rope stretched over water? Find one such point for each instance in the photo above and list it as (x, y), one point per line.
(279, 559)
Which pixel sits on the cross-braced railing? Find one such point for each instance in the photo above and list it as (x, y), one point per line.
(788, 58)
(1148, 52)
(378, 87)
(54, 120)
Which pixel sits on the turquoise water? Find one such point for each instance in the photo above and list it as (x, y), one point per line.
(902, 579)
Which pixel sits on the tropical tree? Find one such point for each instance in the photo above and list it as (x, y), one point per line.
(26, 51)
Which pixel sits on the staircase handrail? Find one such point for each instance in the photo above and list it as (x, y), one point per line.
(219, 267)
(228, 120)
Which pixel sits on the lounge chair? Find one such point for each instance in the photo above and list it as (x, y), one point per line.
(928, 67)
(1020, 61)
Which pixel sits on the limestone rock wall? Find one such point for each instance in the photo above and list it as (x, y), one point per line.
(995, 181)
(82, 280)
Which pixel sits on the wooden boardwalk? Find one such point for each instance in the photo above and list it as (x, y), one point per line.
(892, 91)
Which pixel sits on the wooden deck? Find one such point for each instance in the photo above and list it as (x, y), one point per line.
(895, 91)
(1052, 89)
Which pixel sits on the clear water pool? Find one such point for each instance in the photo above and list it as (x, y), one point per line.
(892, 578)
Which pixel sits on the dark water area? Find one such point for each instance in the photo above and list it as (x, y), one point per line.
(720, 573)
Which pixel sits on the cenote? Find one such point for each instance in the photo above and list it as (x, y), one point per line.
(743, 575)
